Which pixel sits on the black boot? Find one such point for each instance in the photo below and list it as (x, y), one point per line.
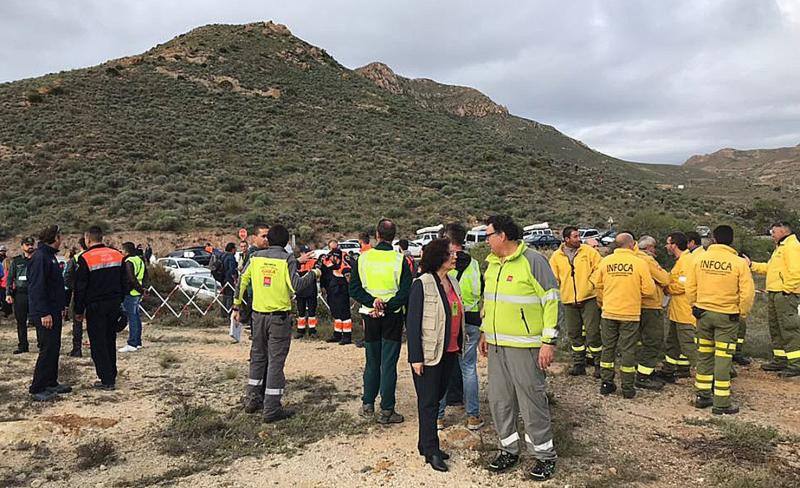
(741, 359)
(577, 370)
(775, 365)
(347, 338)
(300, 333)
(436, 462)
(502, 462)
(666, 376)
(683, 372)
(312, 332)
(607, 388)
(702, 401)
(648, 382)
(731, 410)
(590, 361)
(336, 337)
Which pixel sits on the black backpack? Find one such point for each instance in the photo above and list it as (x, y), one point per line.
(217, 268)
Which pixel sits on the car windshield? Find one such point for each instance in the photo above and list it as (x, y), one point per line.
(188, 263)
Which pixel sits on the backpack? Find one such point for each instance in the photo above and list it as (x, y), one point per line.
(217, 268)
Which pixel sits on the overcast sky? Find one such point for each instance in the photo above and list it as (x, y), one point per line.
(644, 80)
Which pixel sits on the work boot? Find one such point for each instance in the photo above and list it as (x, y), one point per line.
(347, 338)
(390, 417)
(75, 353)
(577, 370)
(628, 394)
(775, 365)
(597, 371)
(607, 388)
(666, 376)
(683, 372)
(731, 410)
(300, 334)
(647, 382)
(502, 462)
(312, 332)
(43, 396)
(702, 401)
(102, 386)
(367, 411)
(790, 372)
(336, 337)
(20, 350)
(543, 470)
(474, 423)
(590, 361)
(252, 406)
(741, 359)
(59, 389)
(283, 413)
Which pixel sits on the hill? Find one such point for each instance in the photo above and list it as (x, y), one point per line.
(231, 124)
(779, 166)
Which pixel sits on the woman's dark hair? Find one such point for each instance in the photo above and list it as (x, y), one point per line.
(436, 253)
(506, 225)
(230, 247)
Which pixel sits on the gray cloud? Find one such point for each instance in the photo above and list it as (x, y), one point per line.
(640, 80)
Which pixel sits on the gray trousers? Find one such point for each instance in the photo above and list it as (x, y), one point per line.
(516, 383)
(272, 335)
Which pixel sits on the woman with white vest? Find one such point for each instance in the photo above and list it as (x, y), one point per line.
(434, 325)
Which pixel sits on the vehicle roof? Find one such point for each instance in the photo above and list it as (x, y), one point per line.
(542, 225)
(434, 228)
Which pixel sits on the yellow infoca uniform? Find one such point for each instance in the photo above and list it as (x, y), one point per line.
(721, 282)
(661, 277)
(783, 267)
(680, 310)
(574, 278)
(621, 280)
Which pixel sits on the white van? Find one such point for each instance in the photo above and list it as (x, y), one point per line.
(427, 234)
(475, 236)
(541, 229)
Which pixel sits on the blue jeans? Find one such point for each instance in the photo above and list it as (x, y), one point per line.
(131, 306)
(468, 362)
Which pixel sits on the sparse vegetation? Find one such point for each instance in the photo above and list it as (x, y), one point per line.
(738, 439)
(212, 435)
(100, 451)
(169, 360)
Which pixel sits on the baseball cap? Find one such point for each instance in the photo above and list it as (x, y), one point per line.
(3, 248)
(28, 240)
(304, 248)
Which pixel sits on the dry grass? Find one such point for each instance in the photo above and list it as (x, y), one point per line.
(96, 452)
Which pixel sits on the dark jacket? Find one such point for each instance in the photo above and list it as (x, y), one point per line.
(416, 302)
(98, 280)
(46, 294)
(361, 295)
(18, 275)
(230, 269)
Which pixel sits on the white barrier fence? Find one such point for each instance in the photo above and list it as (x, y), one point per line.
(202, 299)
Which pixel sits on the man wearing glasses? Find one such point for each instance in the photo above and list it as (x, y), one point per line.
(519, 331)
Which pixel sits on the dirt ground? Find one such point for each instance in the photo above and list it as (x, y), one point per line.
(657, 439)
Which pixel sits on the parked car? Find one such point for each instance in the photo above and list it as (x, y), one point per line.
(414, 248)
(587, 234)
(543, 241)
(350, 247)
(204, 286)
(198, 253)
(607, 238)
(179, 267)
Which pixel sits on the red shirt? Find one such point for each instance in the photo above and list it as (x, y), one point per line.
(456, 312)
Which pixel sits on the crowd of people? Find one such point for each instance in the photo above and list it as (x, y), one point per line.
(612, 309)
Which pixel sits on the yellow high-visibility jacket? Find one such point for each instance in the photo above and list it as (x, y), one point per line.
(661, 278)
(680, 310)
(621, 280)
(721, 281)
(783, 267)
(573, 279)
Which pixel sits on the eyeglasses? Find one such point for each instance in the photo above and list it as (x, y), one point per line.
(490, 234)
